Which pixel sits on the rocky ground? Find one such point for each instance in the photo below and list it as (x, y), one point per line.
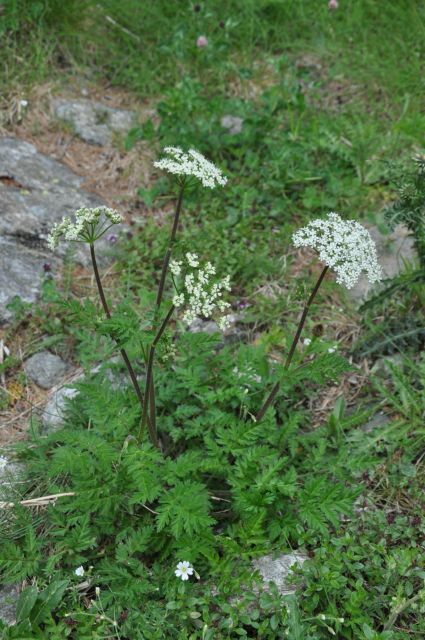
(64, 152)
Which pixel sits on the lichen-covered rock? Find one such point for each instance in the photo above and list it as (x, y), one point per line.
(53, 414)
(278, 570)
(9, 595)
(36, 192)
(12, 479)
(93, 121)
(45, 369)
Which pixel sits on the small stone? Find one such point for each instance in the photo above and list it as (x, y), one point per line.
(380, 419)
(233, 124)
(9, 595)
(93, 121)
(11, 478)
(278, 570)
(53, 414)
(203, 326)
(382, 366)
(45, 369)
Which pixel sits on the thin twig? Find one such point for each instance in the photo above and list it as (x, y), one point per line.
(42, 501)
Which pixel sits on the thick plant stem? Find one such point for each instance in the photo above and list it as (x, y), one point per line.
(167, 256)
(149, 374)
(122, 351)
(270, 399)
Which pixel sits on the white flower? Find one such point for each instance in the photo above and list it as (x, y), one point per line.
(89, 224)
(223, 323)
(175, 267)
(184, 570)
(97, 592)
(23, 103)
(193, 164)
(343, 245)
(331, 349)
(79, 571)
(3, 462)
(192, 259)
(201, 294)
(307, 341)
(178, 300)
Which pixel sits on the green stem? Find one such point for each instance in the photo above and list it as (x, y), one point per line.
(149, 372)
(122, 351)
(270, 399)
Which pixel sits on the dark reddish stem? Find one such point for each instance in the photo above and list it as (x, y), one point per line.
(271, 398)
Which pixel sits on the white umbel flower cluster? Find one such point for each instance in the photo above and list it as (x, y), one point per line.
(343, 245)
(86, 226)
(200, 293)
(189, 164)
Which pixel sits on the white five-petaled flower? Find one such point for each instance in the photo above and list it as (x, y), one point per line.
(79, 571)
(343, 245)
(90, 224)
(184, 570)
(200, 292)
(191, 163)
(3, 462)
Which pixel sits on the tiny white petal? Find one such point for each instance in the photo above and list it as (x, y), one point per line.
(79, 571)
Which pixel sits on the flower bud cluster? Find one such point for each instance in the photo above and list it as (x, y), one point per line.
(191, 164)
(86, 226)
(343, 245)
(201, 294)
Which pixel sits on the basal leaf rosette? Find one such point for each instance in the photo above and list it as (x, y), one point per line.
(89, 225)
(199, 293)
(345, 246)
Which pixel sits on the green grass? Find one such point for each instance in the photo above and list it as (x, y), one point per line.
(291, 481)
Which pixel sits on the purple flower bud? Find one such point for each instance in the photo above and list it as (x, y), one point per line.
(112, 238)
(47, 267)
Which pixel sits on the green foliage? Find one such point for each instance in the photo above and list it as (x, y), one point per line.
(409, 209)
(227, 489)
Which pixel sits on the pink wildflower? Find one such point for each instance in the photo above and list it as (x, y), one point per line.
(201, 42)
(333, 4)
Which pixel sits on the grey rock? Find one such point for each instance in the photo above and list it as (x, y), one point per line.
(279, 569)
(380, 419)
(21, 274)
(203, 326)
(394, 250)
(9, 595)
(93, 121)
(53, 414)
(12, 477)
(45, 369)
(35, 192)
(233, 124)
(382, 366)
